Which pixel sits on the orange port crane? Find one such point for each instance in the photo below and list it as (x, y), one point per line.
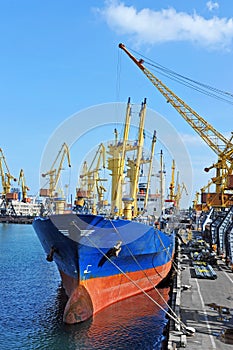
(223, 147)
(5, 175)
(55, 171)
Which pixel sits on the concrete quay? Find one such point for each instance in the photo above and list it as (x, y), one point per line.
(203, 304)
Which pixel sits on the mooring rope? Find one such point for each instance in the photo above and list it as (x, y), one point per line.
(176, 268)
(144, 272)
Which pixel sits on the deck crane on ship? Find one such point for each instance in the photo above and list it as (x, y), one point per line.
(150, 161)
(223, 196)
(134, 164)
(116, 162)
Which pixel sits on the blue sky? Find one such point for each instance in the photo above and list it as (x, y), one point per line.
(62, 57)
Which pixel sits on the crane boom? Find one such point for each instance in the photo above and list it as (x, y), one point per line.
(89, 179)
(5, 174)
(213, 138)
(54, 172)
(217, 142)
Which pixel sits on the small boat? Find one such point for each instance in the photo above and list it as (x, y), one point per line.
(107, 254)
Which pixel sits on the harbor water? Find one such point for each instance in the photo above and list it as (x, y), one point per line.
(32, 301)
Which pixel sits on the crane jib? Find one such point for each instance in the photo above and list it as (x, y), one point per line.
(217, 142)
(213, 138)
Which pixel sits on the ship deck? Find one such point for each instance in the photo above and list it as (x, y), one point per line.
(206, 304)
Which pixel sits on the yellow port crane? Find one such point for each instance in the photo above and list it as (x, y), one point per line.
(55, 171)
(24, 187)
(5, 175)
(215, 140)
(153, 143)
(82, 177)
(176, 190)
(172, 183)
(196, 206)
(179, 192)
(89, 178)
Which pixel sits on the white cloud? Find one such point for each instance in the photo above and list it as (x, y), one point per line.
(212, 5)
(198, 148)
(151, 27)
(192, 140)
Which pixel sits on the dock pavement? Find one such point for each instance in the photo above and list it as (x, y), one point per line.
(202, 304)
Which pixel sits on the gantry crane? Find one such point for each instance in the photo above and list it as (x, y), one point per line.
(6, 176)
(215, 140)
(24, 187)
(55, 171)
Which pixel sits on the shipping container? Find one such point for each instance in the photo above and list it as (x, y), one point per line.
(44, 192)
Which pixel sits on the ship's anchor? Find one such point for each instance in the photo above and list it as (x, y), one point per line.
(110, 253)
(51, 254)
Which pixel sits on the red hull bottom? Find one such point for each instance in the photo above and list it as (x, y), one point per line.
(91, 296)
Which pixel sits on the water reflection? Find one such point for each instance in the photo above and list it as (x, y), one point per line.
(135, 323)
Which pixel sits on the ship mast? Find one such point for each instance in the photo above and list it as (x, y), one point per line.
(161, 181)
(150, 169)
(116, 163)
(134, 166)
(125, 147)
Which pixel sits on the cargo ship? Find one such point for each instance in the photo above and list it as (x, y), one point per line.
(15, 204)
(104, 253)
(15, 211)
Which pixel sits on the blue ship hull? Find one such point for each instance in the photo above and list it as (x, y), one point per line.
(102, 260)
